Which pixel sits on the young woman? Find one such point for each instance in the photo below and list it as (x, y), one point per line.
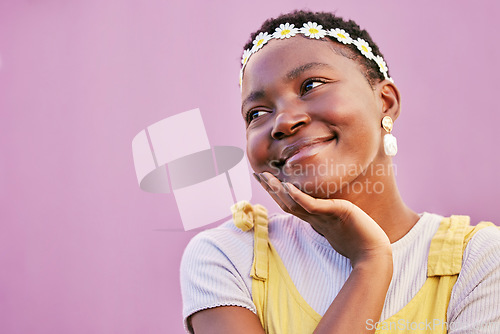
(350, 256)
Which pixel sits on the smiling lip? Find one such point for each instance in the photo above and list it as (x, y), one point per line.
(303, 148)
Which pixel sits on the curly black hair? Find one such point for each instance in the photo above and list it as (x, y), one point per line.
(329, 21)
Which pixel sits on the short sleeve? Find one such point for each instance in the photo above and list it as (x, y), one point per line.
(215, 271)
(475, 297)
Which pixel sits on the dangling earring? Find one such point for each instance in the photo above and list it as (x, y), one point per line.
(390, 142)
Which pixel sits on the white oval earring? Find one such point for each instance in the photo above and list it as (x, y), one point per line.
(390, 142)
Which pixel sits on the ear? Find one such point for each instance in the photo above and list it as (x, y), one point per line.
(390, 99)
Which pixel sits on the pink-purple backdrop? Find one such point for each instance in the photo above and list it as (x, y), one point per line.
(83, 249)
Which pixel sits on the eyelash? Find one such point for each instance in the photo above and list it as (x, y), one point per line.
(252, 112)
(310, 81)
(302, 92)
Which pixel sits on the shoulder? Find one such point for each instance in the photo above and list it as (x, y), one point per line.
(476, 293)
(215, 267)
(228, 240)
(224, 243)
(485, 239)
(220, 234)
(228, 236)
(481, 257)
(226, 248)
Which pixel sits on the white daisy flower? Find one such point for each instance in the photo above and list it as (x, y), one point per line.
(313, 30)
(259, 41)
(364, 47)
(241, 79)
(246, 54)
(286, 30)
(341, 35)
(381, 64)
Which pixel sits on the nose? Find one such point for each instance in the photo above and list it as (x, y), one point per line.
(288, 122)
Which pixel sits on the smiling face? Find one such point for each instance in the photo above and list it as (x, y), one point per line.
(312, 117)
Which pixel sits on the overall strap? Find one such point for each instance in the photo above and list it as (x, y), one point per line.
(430, 304)
(245, 217)
(446, 249)
(448, 245)
(278, 304)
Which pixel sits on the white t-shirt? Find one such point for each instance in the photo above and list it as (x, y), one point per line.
(215, 270)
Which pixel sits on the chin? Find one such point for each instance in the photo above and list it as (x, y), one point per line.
(318, 187)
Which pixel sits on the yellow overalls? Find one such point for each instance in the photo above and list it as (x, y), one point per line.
(282, 310)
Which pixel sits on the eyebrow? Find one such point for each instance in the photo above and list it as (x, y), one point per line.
(296, 72)
(255, 95)
(291, 75)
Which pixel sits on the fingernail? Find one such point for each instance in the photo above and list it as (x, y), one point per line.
(285, 185)
(256, 177)
(263, 177)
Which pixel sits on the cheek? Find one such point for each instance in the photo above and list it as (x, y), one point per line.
(357, 125)
(257, 149)
(360, 135)
(365, 141)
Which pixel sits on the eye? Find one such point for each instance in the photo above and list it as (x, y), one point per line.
(254, 114)
(310, 84)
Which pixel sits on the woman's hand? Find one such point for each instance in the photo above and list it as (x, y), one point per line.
(354, 234)
(349, 230)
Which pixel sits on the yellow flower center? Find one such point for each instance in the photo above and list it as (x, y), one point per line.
(364, 48)
(341, 35)
(285, 32)
(313, 31)
(259, 43)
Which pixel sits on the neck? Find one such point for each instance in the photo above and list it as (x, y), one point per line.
(382, 201)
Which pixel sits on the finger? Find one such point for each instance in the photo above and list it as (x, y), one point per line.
(272, 192)
(282, 193)
(271, 181)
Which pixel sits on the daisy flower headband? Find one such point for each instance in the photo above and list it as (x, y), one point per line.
(313, 30)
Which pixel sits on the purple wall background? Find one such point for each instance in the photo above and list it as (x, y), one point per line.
(83, 249)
